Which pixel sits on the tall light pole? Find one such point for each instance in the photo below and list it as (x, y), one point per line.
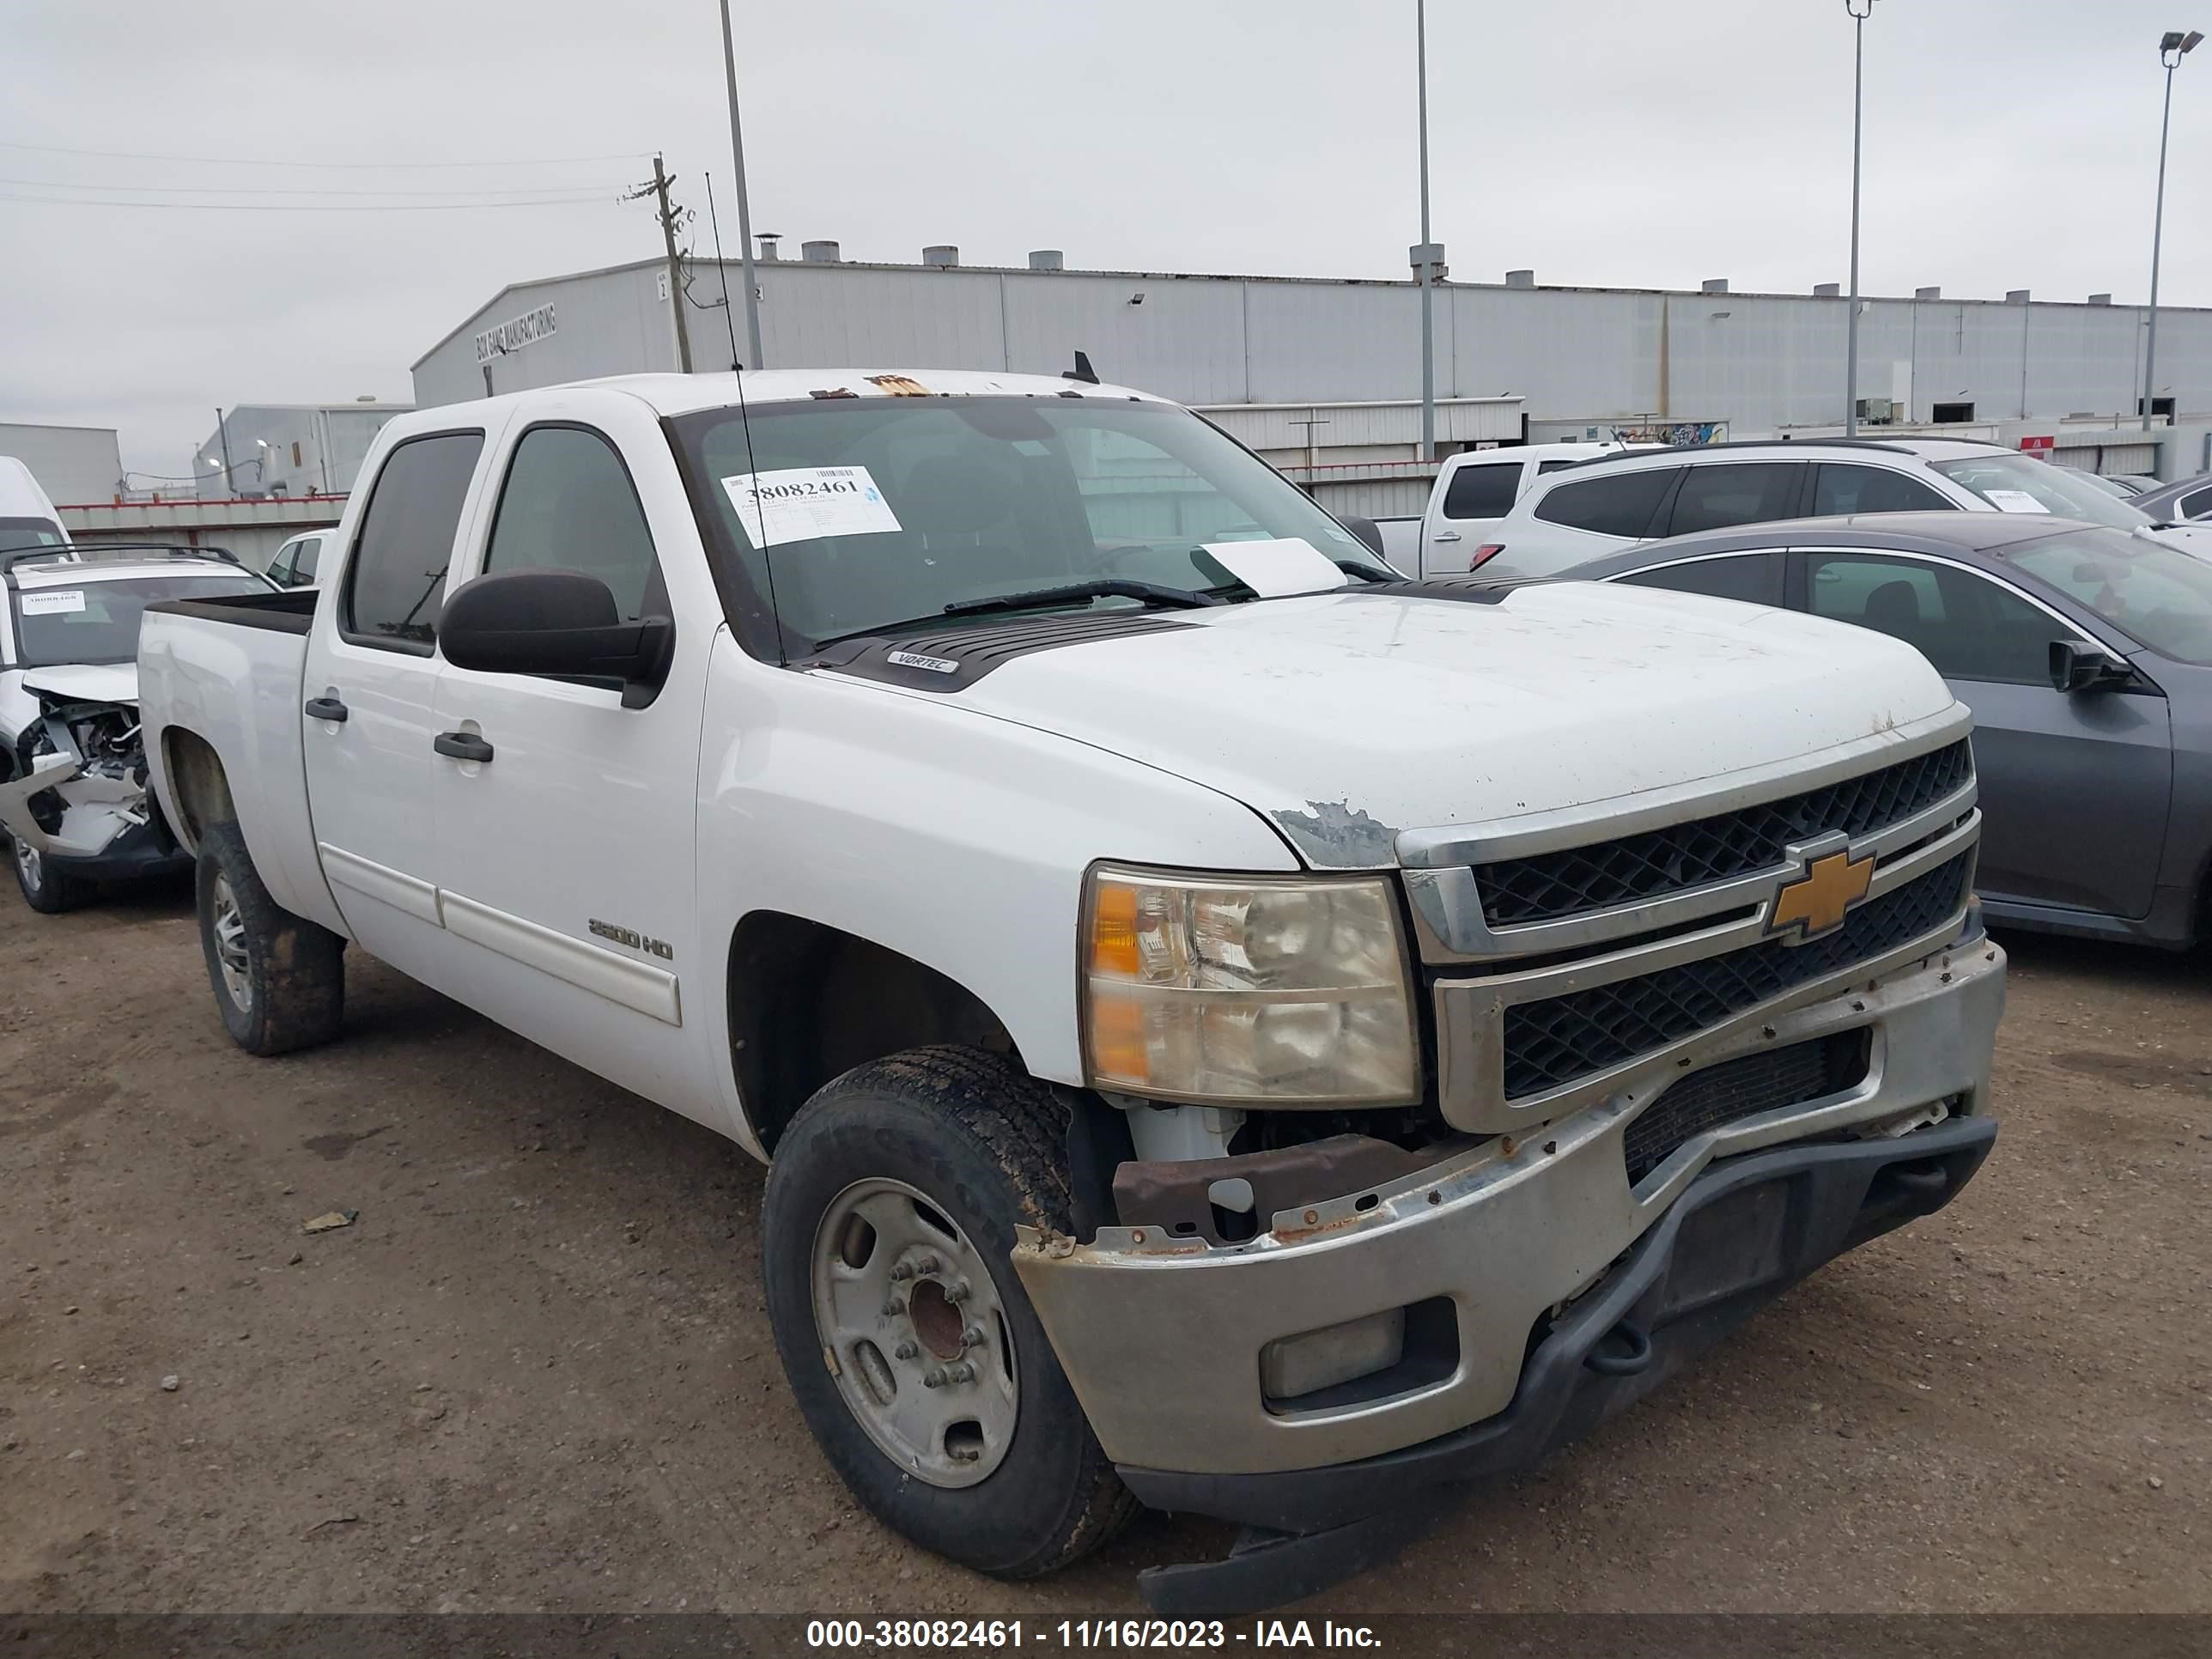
(1859, 10)
(745, 208)
(1427, 255)
(2172, 47)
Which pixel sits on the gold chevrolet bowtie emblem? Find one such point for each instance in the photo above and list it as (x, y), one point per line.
(1816, 901)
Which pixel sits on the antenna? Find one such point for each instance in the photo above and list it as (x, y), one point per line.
(714, 219)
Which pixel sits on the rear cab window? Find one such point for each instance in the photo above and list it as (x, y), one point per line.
(1483, 490)
(396, 586)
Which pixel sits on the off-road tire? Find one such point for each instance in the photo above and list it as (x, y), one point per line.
(985, 1143)
(295, 969)
(56, 890)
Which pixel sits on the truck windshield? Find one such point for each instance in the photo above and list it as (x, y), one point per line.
(97, 622)
(856, 514)
(16, 534)
(2020, 483)
(2149, 591)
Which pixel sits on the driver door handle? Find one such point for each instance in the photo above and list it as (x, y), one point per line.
(462, 745)
(1445, 536)
(326, 708)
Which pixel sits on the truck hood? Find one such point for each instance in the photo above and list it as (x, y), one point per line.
(1346, 718)
(86, 682)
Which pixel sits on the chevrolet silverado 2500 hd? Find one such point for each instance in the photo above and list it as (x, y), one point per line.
(1233, 1030)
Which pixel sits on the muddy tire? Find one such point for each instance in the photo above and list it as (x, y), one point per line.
(886, 1231)
(279, 980)
(47, 890)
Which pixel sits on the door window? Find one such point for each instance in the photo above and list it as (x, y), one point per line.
(1717, 494)
(304, 558)
(1844, 489)
(2194, 507)
(1483, 490)
(397, 585)
(1969, 627)
(569, 504)
(1753, 578)
(1614, 504)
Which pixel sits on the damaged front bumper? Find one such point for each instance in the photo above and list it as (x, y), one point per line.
(80, 798)
(1542, 1287)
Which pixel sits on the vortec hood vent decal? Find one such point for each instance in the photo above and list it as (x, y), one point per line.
(1468, 589)
(953, 659)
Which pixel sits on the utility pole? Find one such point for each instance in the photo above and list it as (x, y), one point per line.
(2172, 47)
(660, 183)
(1858, 10)
(1428, 252)
(744, 207)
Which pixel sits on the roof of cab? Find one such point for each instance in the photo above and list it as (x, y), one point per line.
(74, 573)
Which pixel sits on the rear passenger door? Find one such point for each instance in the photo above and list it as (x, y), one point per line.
(2074, 788)
(1480, 491)
(568, 847)
(368, 689)
(1721, 495)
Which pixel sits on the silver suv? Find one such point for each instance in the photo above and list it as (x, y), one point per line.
(1617, 501)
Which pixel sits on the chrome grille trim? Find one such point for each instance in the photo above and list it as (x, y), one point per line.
(1470, 1013)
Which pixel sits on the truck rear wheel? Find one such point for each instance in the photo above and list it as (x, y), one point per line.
(279, 980)
(915, 1355)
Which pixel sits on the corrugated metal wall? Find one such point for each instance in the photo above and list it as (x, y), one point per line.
(1760, 361)
(71, 463)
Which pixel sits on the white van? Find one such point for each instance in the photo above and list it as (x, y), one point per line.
(28, 519)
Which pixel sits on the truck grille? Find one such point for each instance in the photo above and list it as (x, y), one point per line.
(1560, 1039)
(1633, 868)
(1738, 1089)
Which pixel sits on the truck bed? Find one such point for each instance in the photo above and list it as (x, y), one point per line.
(216, 669)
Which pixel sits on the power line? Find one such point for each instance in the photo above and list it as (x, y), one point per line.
(264, 162)
(307, 207)
(307, 190)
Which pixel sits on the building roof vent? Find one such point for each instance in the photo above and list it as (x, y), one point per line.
(1047, 259)
(2100, 299)
(941, 253)
(1927, 293)
(2015, 296)
(1714, 285)
(768, 238)
(1827, 290)
(819, 253)
(1520, 279)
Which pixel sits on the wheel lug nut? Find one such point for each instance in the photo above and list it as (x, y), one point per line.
(905, 1351)
(934, 1378)
(901, 1271)
(972, 1337)
(962, 1372)
(928, 1264)
(957, 1290)
(893, 1307)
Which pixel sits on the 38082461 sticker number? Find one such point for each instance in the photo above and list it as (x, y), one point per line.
(806, 503)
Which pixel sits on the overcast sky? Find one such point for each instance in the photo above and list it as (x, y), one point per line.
(2010, 143)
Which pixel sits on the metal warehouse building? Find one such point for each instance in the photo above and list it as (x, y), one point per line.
(71, 463)
(1323, 375)
(290, 449)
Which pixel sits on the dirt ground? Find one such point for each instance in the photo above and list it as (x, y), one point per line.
(536, 1373)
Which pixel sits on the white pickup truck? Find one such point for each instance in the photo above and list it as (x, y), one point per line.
(1186, 1084)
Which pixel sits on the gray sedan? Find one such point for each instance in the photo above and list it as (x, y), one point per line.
(2086, 654)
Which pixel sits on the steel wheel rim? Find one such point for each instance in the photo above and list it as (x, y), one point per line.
(230, 956)
(914, 1334)
(29, 865)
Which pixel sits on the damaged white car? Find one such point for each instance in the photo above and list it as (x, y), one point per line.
(73, 805)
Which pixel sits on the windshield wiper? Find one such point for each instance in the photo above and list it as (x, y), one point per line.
(1101, 587)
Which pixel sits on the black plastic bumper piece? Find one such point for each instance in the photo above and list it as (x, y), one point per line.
(1744, 1232)
(144, 849)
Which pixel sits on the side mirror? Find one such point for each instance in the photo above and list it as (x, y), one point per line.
(2085, 665)
(555, 622)
(1366, 529)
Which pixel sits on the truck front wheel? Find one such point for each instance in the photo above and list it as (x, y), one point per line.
(279, 979)
(916, 1358)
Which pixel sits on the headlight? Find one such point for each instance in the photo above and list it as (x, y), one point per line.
(1291, 991)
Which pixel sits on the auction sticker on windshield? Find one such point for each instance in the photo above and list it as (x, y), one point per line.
(2014, 501)
(799, 503)
(53, 602)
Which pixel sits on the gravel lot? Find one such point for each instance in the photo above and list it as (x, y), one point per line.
(536, 1372)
